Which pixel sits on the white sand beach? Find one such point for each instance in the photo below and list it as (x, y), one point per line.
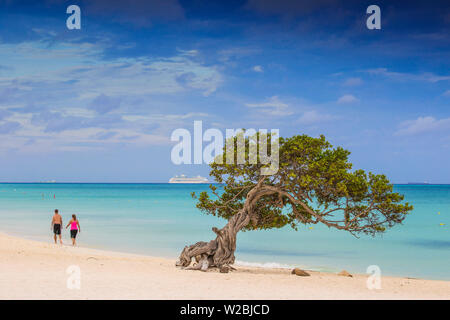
(37, 270)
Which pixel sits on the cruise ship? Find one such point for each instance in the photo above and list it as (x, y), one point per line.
(183, 179)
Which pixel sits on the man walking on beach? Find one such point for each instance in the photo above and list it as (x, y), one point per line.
(56, 225)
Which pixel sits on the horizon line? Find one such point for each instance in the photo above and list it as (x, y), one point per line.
(211, 182)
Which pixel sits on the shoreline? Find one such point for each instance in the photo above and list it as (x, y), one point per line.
(241, 263)
(38, 270)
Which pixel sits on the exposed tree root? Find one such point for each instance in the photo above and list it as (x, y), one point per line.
(219, 252)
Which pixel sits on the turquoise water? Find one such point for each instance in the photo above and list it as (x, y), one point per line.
(160, 219)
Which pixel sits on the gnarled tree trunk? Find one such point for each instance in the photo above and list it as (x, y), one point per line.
(220, 252)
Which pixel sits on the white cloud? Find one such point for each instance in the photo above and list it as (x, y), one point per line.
(446, 93)
(422, 125)
(81, 65)
(231, 54)
(258, 68)
(273, 106)
(403, 76)
(191, 53)
(347, 98)
(48, 93)
(312, 117)
(158, 76)
(353, 82)
(165, 117)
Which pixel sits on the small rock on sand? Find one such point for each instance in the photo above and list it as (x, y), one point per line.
(344, 273)
(300, 272)
(224, 269)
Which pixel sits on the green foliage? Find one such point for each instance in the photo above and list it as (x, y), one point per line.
(314, 184)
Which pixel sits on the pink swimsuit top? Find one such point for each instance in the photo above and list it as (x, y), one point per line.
(73, 225)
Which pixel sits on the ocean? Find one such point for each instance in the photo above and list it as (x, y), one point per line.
(160, 219)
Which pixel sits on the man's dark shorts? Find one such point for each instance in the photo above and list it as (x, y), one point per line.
(57, 228)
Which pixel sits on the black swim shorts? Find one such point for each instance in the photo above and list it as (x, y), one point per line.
(73, 233)
(56, 228)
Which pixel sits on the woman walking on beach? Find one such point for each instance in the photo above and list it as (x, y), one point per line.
(74, 228)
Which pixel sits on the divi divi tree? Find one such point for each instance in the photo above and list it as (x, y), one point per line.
(314, 184)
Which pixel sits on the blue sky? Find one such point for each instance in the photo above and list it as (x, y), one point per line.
(100, 103)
